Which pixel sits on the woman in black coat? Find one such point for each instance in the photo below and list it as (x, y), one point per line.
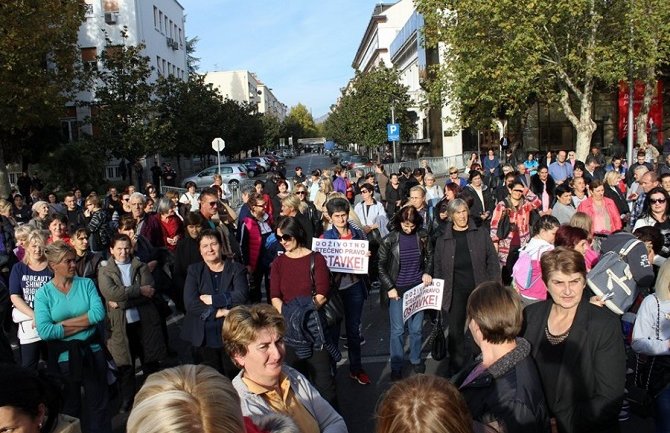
(462, 273)
(212, 288)
(577, 347)
(613, 192)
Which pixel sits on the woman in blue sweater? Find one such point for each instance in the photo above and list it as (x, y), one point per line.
(67, 309)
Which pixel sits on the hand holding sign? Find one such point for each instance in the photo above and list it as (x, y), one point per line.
(422, 297)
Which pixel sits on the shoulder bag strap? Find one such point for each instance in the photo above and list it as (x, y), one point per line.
(658, 317)
(628, 246)
(311, 273)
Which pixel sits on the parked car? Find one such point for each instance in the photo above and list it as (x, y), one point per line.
(253, 167)
(233, 174)
(343, 158)
(356, 161)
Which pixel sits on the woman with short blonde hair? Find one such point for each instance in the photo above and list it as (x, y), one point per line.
(186, 399)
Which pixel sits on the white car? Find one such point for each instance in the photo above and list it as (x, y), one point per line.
(232, 174)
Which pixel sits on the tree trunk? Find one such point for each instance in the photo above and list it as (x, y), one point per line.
(643, 116)
(584, 124)
(5, 187)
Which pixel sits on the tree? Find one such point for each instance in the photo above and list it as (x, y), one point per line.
(187, 115)
(123, 108)
(192, 62)
(38, 72)
(299, 123)
(272, 130)
(648, 51)
(364, 109)
(500, 55)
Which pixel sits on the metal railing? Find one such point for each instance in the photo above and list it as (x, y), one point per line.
(439, 165)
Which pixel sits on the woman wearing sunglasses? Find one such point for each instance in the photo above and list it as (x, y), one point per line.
(291, 285)
(655, 213)
(311, 212)
(254, 232)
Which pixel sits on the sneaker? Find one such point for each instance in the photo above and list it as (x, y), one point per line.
(360, 377)
(624, 414)
(396, 375)
(419, 368)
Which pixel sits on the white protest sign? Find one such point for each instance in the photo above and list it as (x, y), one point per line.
(343, 255)
(421, 298)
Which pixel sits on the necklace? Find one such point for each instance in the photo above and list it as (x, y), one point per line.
(555, 339)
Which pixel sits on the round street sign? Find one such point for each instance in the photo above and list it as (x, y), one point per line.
(218, 144)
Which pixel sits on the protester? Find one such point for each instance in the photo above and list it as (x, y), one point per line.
(563, 208)
(135, 324)
(464, 257)
(171, 225)
(212, 288)
(577, 347)
(602, 210)
(67, 311)
(405, 261)
(502, 387)
(424, 404)
(25, 279)
(254, 232)
(254, 338)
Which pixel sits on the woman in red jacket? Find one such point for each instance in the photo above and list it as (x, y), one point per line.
(602, 210)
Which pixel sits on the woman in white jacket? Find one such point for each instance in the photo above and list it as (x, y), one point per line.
(651, 336)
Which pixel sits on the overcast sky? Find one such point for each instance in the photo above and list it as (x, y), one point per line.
(301, 49)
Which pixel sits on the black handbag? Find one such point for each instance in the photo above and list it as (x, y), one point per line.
(640, 385)
(333, 309)
(437, 340)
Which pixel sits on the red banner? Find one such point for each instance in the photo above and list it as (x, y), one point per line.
(655, 121)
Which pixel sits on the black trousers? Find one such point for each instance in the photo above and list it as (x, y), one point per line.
(318, 370)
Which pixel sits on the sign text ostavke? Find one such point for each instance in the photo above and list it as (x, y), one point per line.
(343, 255)
(421, 297)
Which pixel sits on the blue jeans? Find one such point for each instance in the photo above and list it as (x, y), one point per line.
(353, 299)
(414, 325)
(662, 407)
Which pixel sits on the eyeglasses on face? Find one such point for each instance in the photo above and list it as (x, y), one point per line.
(212, 203)
(657, 201)
(453, 172)
(301, 192)
(285, 238)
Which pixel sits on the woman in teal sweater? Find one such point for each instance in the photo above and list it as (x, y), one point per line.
(67, 310)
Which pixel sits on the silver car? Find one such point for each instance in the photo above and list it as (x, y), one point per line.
(232, 174)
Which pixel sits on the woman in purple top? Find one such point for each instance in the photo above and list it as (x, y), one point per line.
(405, 257)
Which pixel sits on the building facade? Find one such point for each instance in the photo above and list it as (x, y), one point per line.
(245, 86)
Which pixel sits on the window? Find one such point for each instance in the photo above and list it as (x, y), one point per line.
(155, 17)
(165, 24)
(158, 65)
(169, 69)
(112, 172)
(160, 21)
(164, 67)
(181, 41)
(226, 170)
(69, 130)
(89, 58)
(170, 29)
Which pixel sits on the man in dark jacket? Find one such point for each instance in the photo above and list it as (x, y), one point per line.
(502, 387)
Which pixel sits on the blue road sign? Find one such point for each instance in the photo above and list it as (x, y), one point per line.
(393, 130)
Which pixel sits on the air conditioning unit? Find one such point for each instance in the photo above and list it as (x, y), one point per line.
(169, 42)
(111, 17)
(175, 45)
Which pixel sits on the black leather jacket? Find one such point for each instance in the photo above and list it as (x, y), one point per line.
(389, 258)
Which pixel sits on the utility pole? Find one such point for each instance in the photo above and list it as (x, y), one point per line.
(395, 159)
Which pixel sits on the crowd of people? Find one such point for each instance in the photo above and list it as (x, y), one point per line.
(92, 281)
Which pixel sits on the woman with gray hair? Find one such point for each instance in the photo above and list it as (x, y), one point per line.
(171, 225)
(462, 273)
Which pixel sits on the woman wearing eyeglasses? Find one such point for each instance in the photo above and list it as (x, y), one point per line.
(291, 206)
(254, 232)
(291, 293)
(655, 213)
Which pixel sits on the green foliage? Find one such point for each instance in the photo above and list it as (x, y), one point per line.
(38, 73)
(85, 155)
(364, 109)
(123, 106)
(192, 62)
(187, 115)
(272, 130)
(502, 55)
(299, 123)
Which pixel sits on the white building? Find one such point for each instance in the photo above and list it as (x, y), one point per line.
(244, 86)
